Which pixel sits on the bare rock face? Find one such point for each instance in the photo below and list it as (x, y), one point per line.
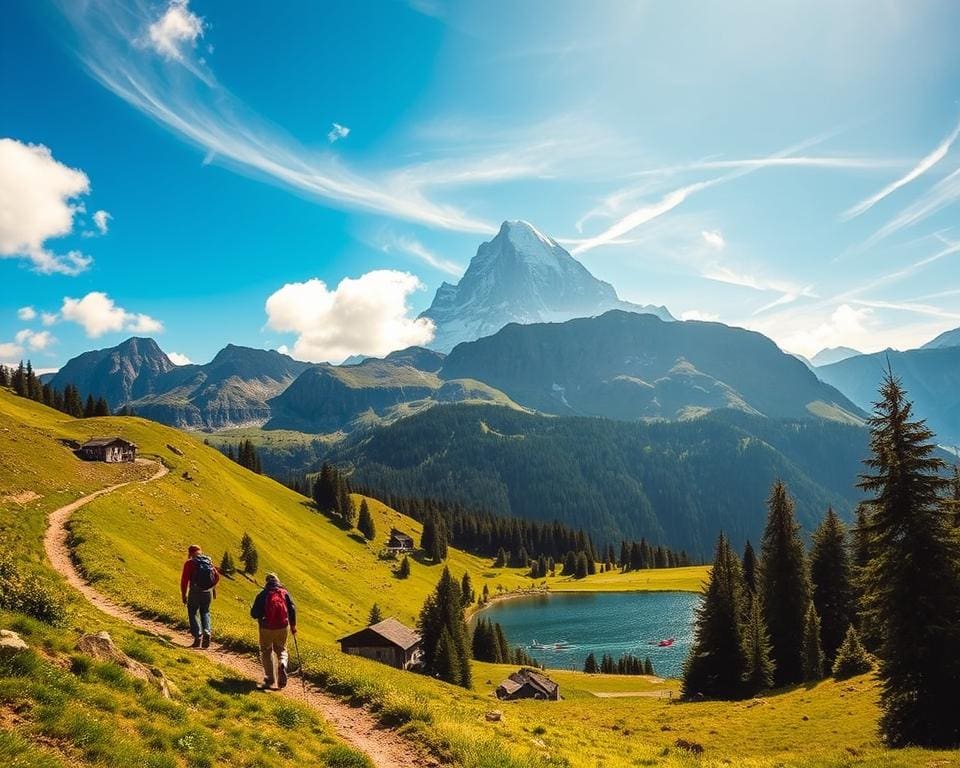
(100, 647)
(11, 643)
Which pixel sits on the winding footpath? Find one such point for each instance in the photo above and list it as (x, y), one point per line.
(354, 725)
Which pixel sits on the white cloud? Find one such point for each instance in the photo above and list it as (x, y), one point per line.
(37, 203)
(367, 315)
(26, 314)
(696, 314)
(177, 29)
(99, 314)
(101, 219)
(179, 359)
(846, 326)
(945, 192)
(714, 238)
(337, 132)
(925, 164)
(413, 247)
(35, 340)
(49, 318)
(10, 350)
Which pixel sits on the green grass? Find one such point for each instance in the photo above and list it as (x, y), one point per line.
(133, 542)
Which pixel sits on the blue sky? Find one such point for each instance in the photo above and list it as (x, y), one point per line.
(284, 174)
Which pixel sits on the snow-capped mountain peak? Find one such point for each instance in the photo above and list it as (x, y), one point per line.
(522, 276)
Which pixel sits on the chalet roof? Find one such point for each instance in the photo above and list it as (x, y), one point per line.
(510, 686)
(390, 630)
(99, 442)
(395, 534)
(536, 679)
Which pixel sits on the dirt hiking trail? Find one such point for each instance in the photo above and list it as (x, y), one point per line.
(354, 725)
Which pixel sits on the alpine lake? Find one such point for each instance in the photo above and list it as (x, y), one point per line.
(560, 630)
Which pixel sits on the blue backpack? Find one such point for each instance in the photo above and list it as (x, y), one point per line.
(204, 573)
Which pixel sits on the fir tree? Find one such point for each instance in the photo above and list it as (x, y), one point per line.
(912, 582)
(466, 589)
(648, 666)
(590, 665)
(365, 523)
(4, 376)
(750, 568)
(443, 633)
(582, 566)
(852, 658)
(813, 658)
(19, 380)
(403, 570)
(785, 587)
(376, 615)
(325, 490)
(718, 664)
(227, 566)
(501, 640)
(90, 408)
(759, 664)
(501, 559)
(101, 408)
(953, 501)
(345, 508)
(830, 574)
(249, 555)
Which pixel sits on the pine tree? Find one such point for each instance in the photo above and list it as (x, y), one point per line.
(365, 523)
(648, 666)
(500, 638)
(19, 380)
(325, 490)
(501, 560)
(852, 658)
(912, 582)
(830, 574)
(813, 658)
(861, 555)
(590, 665)
(101, 408)
(227, 566)
(376, 615)
(582, 566)
(750, 568)
(785, 587)
(466, 589)
(759, 665)
(403, 571)
(249, 555)
(443, 632)
(4, 376)
(345, 508)
(718, 664)
(953, 501)
(90, 408)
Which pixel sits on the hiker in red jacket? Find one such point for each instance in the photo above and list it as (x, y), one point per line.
(274, 610)
(198, 586)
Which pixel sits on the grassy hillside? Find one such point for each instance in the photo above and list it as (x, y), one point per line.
(133, 542)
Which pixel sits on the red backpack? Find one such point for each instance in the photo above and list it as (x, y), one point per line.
(275, 609)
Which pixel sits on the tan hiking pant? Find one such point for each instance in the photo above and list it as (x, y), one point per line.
(273, 642)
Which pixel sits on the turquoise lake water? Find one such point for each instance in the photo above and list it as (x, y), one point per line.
(600, 622)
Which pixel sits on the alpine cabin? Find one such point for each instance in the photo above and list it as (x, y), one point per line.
(388, 642)
(109, 449)
(399, 543)
(528, 683)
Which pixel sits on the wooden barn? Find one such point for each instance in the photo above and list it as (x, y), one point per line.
(399, 542)
(109, 449)
(388, 642)
(528, 683)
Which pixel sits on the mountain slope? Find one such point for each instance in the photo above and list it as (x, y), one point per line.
(120, 374)
(832, 355)
(675, 483)
(931, 377)
(945, 339)
(627, 366)
(520, 276)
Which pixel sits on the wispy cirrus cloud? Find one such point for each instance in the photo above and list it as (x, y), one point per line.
(390, 243)
(925, 164)
(155, 77)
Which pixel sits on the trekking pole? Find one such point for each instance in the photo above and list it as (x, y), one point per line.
(303, 681)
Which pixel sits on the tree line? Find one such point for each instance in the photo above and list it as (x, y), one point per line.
(245, 454)
(24, 382)
(784, 616)
(627, 664)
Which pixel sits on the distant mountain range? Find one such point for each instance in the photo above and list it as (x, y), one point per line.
(945, 339)
(520, 276)
(832, 355)
(931, 377)
(231, 390)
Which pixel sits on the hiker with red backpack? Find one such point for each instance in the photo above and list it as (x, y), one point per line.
(198, 586)
(276, 613)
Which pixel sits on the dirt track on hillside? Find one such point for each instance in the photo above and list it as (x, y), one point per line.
(354, 725)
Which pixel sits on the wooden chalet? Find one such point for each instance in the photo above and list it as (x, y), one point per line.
(399, 543)
(528, 683)
(108, 449)
(388, 642)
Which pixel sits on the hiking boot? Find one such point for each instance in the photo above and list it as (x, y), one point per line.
(282, 676)
(266, 685)
(195, 643)
(205, 642)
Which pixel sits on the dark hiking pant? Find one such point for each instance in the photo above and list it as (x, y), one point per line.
(198, 612)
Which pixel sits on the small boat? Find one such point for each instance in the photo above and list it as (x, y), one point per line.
(561, 645)
(667, 643)
(537, 646)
